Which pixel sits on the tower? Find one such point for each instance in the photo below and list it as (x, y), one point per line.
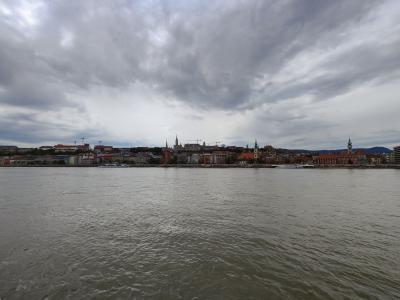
(176, 141)
(255, 150)
(349, 146)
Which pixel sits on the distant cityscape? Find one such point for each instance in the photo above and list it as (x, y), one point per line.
(196, 154)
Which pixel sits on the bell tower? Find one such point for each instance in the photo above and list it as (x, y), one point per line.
(255, 150)
(349, 146)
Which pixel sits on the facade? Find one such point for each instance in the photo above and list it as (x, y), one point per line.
(46, 148)
(71, 148)
(103, 149)
(245, 157)
(348, 157)
(8, 149)
(25, 150)
(396, 152)
(343, 158)
(219, 157)
(194, 158)
(166, 156)
(192, 147)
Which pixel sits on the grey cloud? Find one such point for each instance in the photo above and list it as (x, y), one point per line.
(206, 54)
(215, 59)
(210, 55)
(363, 64)
(32, 128)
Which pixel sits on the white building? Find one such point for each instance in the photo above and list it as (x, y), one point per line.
(396, 151)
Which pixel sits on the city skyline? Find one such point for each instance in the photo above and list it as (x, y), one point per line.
(178, 142)
(136, 73)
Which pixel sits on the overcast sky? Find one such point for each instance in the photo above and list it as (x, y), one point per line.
(294, 74)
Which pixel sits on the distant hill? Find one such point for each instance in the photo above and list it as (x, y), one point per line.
(373, 150)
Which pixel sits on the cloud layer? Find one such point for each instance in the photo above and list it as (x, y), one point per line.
(140, 71)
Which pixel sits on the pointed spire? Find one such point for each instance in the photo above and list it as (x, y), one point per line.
(255, 144)
(166, 143)
(349, 146)
(176, 140)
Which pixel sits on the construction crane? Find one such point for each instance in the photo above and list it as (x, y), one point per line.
(217, 142)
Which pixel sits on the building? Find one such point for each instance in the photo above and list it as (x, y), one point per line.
(219, 157)
(103, 149)
(25, 150)
(206, 158)
(166, 155)
(342, 158)
(193, 158)
(8, 149)
(46, 148)
(71, 148)
(177, 146)
(396, 152)
(348, 157)
(192, 147)
(376, 159)
(245, 157)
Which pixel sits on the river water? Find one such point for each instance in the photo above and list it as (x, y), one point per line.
(154, 233)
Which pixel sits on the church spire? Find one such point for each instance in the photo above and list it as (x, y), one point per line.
(255, 150)
(349, 146)
(176, 141)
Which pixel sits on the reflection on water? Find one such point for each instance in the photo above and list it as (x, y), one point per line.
(154, 233)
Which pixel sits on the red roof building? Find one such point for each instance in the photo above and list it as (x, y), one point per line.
(245, 156)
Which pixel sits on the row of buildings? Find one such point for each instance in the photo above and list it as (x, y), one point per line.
(192, 154)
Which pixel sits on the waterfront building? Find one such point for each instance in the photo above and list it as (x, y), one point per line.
(245, 157)
(181, 158)
(219, 157)
(8, 149)
(396, 154)
(166, 154)
(103, 149)
(25, 150)
(71, 148)
(348, 157)
(376, 159)
(46, 148)
(207, 158)
(193, 158)
(343, 158)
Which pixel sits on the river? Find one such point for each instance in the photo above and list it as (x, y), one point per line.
(155, 233)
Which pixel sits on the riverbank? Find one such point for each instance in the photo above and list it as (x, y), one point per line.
(252, 166)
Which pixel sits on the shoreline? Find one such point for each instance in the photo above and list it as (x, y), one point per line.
(219, 166)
